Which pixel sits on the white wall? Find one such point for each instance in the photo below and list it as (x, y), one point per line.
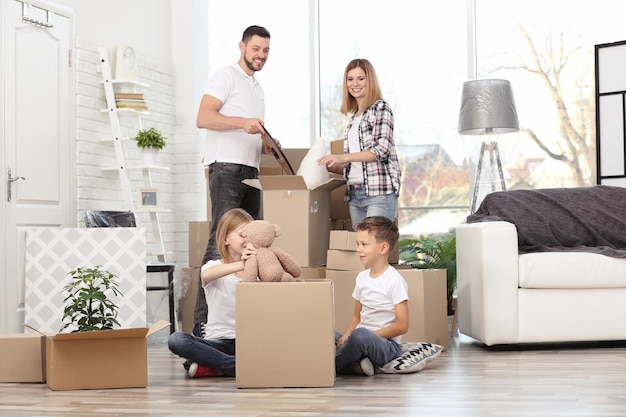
(171, 40)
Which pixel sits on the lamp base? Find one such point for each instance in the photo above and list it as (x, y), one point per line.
(494, 159)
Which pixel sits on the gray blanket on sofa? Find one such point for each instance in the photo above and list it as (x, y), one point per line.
(582, 219)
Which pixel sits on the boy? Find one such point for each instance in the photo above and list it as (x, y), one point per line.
(381, 313)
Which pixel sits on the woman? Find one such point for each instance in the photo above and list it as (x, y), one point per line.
(369, 162)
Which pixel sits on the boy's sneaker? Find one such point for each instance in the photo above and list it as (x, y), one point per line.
(364, 367)
(200, 371)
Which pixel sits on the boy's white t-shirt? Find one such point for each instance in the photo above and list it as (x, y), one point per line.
(220, 300)
(378, 298)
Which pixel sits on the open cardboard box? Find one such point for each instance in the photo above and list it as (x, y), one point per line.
(99, 359)
(302, 214)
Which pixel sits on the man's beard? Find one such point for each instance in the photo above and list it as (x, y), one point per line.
(250, 65)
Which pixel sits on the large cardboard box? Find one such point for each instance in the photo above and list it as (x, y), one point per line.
(199, 233)
(428, 321)
(99, 359)
(428, 311)
(22, 358)
(302, 214)
(285, 334)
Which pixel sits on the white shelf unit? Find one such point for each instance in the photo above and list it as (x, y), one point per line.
(117, 138)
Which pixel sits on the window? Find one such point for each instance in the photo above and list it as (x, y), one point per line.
(546, 50)
(419, 52)
(286, 77)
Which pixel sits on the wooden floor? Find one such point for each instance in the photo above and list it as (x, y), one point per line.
(466, 380)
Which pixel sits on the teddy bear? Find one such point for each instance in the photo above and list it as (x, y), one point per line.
(271, 264)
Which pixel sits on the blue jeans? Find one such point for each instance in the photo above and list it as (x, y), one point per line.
(362, 206)
(214, 353)
(227, 192)
(364, 343)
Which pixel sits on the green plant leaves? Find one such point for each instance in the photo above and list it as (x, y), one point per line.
(87, 305)
(150, 138)
(432, 252)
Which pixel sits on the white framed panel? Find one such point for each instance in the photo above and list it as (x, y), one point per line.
(51, 253)
(611, 116)
(611, 61)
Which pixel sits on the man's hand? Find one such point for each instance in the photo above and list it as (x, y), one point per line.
(253, 126)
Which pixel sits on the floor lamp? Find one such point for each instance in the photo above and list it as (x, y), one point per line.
(487, 109)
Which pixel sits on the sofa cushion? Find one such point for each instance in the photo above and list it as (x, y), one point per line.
(414, 358)
(563, 270)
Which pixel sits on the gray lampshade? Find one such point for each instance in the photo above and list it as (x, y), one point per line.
(487, 107)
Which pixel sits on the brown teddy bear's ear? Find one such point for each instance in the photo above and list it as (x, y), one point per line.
(276, 230)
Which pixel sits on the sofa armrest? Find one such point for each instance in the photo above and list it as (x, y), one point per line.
(487, 282)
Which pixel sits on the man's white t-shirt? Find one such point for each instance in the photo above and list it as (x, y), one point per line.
(220, 300)
(241, 96)
(378, 298)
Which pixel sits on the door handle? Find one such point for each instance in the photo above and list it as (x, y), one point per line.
(11, 179)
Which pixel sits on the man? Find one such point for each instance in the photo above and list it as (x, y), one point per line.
(232, 110)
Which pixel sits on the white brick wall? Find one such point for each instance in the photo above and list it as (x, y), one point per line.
(181, 189)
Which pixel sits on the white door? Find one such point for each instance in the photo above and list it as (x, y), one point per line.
(36, 136)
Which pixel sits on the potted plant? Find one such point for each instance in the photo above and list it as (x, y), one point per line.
(150, 141)
(88, 305)
(433, 252)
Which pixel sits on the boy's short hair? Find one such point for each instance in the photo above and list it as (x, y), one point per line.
(383, 228)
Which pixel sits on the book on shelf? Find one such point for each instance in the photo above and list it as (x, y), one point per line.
(131, 96)
(128, 104)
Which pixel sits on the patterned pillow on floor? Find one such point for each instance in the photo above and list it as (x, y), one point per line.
(415, 356)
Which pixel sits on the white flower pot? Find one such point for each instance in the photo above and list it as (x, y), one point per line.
(149, 156)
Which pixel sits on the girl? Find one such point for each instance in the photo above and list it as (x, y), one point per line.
(214, 355)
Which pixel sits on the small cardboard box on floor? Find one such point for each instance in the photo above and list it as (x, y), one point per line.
(99, 359)
(285, 335)
(22, 358)
(428, 321)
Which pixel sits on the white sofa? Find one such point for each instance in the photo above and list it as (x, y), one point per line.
(542, 297)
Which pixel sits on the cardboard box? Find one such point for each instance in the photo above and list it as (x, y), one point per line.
(343, 283)
(428, 306)
(22, 358)
(341, 224)
(187, 304)
(342, 240)
(99, 359)
(199, 233)
(302, 214)
(285, 335)
(428, 321)
(343, 260)
(313, 272)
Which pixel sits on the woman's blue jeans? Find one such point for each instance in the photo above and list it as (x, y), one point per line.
(362, 206)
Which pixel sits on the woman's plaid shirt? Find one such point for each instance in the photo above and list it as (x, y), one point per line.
(382, 176)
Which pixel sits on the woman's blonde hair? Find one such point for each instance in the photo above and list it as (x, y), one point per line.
(348, 103)
(231, 220)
